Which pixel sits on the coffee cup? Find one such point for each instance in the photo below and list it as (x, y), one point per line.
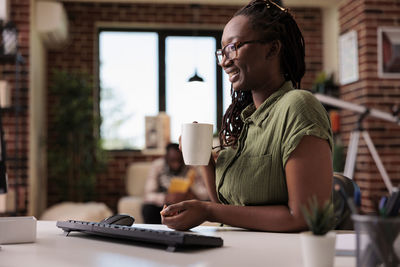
(196, 142)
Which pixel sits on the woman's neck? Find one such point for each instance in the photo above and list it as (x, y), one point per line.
(259, 96)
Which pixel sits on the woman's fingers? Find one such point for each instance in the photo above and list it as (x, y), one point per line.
(172, 216)
(184, 215)
(172, 210)
(170, 222)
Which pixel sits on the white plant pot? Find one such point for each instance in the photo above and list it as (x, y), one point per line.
(318, 251)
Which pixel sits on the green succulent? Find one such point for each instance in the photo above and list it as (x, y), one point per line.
(320, 219)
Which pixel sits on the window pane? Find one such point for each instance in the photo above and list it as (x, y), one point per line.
(194, 101)
(226, 92)
(129, 86)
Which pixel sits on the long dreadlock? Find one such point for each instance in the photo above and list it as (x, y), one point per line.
(276, 23)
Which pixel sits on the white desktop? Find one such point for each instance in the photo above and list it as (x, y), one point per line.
(241, 248)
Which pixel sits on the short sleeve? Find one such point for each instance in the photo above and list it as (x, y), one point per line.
(304, 115)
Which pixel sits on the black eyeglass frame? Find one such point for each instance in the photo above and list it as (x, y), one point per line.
(268, 4)
(220, 53)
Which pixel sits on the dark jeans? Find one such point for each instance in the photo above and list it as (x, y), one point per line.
(151, 214)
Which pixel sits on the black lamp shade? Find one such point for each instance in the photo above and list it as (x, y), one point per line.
(195, 78)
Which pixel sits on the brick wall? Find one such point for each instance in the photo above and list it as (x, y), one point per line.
(15, 119)
(365, 16)
(361, 15)
(310, 20)
(79, 54)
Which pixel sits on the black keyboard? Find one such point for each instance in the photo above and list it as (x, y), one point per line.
(172, 239)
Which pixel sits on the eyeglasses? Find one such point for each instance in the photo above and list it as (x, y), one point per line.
(268, 3)
(274, 11)
(230, 50)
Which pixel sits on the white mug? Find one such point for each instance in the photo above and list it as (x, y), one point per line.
(196, 141)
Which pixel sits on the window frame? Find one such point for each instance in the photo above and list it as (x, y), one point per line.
(162, 35)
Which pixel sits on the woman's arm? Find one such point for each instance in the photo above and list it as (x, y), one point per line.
(308, 172)
(208, 174)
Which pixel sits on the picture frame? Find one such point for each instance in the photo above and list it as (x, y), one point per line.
(388, 52)
(157, 133)
(348, 58)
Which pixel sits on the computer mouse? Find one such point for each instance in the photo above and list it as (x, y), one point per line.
(120, 219)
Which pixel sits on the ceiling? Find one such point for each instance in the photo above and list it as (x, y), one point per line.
(289, 3)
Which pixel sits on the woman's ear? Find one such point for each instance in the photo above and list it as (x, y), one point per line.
(274, 49)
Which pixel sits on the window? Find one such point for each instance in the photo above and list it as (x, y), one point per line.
(129, 89)
(187, 102)
(226, 97)
(144, 72)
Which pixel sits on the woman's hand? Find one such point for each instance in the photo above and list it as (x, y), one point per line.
(185, 215)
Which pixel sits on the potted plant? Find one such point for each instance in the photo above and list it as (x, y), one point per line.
(325, 84)
(74, 153)
(318, 244)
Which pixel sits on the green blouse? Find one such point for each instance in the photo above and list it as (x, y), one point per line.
(253, 173)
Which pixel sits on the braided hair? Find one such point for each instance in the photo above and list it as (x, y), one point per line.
(275, 23)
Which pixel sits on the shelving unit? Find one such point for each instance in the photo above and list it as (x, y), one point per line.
(13, 161)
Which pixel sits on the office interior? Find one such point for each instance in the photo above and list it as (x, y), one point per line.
(27, 120)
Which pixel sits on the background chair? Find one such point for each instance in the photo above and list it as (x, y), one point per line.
(341, 209)
(88, 211)
(135, 180)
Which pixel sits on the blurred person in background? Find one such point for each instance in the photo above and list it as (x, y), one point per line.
(158, 182)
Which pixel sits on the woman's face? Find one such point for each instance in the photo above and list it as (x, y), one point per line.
(251, 69)
(174, 160)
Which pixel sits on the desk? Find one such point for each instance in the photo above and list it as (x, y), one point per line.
(241, 248)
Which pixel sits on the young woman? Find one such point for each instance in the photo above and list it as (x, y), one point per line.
(276, 140)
